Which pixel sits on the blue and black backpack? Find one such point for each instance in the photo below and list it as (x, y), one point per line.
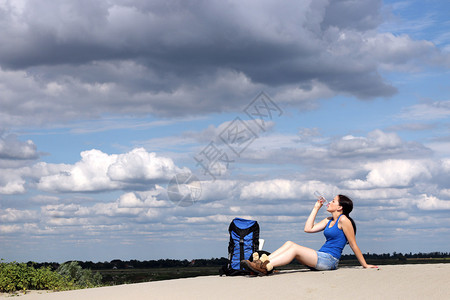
(244, 240)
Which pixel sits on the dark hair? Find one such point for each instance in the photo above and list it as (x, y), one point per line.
(347, 207)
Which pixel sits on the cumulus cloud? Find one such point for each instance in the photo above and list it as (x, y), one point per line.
(427, 202)
(393, 173)
(98, 171)
(89, 174)
(373, 143)
(130, 200)
(279, 189)
(139, 165)
(11, 182)
(219, 190)
(150, 199)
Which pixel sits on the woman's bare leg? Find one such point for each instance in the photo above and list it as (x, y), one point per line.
(281, 250)
(290, 250)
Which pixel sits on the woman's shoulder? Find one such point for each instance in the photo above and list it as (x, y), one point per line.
(343, 219)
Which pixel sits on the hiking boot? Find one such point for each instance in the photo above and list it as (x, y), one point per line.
(258, 267)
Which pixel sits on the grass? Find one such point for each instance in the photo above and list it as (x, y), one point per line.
(22, 277)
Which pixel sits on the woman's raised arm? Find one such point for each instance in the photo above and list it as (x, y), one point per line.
(310, 227)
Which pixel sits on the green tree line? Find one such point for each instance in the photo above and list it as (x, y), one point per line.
(173, 263)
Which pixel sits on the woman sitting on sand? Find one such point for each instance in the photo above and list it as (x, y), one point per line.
(339, 229)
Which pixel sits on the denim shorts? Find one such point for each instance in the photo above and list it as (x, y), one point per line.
(326, 261)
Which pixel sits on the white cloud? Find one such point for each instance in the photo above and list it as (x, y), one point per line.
(115, 210)
(440, 148)
(445, 193)
(311, 150)
(139, 165)
(394, 52)
(273, 189)
(446, 164)
(381, 193)
(427, 111)
(12, 215)
(98, 171)
(281, 189)
(427, 202)
(12, 148)
(129, 200)
(304, 96)
(89, 174)
(5, 229)
(148, 199)
(392, 173)
(127, 205)
(376, 142)
(11, 182)
(219, 190)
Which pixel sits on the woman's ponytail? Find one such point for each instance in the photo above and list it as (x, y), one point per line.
(347, 207)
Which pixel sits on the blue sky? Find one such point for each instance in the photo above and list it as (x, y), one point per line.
(104, 103)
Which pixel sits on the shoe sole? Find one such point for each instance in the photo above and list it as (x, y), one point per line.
(259, 273)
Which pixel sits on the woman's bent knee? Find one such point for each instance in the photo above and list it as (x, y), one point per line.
(289, 243)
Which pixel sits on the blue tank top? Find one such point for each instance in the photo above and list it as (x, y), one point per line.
(336, 240)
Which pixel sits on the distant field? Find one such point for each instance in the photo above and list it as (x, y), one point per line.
(123, 276)
(397, 261)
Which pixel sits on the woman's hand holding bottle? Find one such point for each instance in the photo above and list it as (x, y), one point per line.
(320, 199)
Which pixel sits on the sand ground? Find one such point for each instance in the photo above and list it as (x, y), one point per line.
(429, 281)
